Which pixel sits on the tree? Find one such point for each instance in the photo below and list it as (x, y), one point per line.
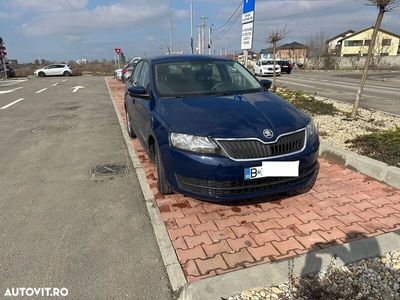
(317, 48)
(273, 38)
(382, 6)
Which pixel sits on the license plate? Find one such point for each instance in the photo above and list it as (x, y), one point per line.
(273, 169)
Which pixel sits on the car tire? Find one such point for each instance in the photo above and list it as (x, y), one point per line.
(131, 132)
(162, 183)
(66, 74)
(41, 74)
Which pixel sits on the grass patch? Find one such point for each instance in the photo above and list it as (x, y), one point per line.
(383, 146)
(308, 103)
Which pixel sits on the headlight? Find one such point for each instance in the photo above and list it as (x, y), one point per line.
(311, 129)
(193, 143)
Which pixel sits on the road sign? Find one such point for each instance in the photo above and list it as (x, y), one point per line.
(247, 36)
(248, 6)
(117, 50)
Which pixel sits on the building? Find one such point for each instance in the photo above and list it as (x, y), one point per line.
(357, 44)
(294, 51)
(333, 44)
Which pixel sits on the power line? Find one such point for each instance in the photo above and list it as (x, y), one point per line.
(234, 13)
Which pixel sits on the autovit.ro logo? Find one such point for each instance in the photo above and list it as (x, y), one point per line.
(31, 292)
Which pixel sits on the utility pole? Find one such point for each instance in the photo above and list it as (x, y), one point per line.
(209, 40)
(203, 33)
(191, 26)
(3, 54)
(171, 44)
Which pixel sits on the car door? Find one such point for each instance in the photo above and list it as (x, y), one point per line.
(49, 70)
(142, 104)
(130, 102)
(59, 70)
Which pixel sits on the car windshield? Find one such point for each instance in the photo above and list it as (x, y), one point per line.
(199, 78)
(267, 62)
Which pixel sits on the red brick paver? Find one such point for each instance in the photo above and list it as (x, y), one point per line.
(212, 239)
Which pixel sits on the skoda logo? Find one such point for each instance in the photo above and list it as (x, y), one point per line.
(268, 133)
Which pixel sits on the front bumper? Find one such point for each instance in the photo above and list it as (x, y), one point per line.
(218, 178)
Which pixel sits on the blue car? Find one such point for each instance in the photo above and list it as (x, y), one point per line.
(214, 132)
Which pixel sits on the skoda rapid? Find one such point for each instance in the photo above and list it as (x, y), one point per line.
(215, 132)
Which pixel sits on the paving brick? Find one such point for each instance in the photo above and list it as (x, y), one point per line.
(172, 215)
(363, 205)
(208, 226)
(332, 235)
(359, 197)
(190, 254)
(210, 264)
(209, 207)
(305, 208)
(191, 279)
(386, 210)
(244, 229)
(193, 219)
(266, 225)
(353, 230)
(263, 251)
(327, 212)
(342, 200)
(349, 218)
(280, 257)
(265, 237)
(307, 217)
(228, 222)
(287, 211)
(323, 195)
(223, 234)
(380, 201)
(291, 220)
(285, 246)
(309, 227)
(199, 239)
(242, 242)
(390, 221)
(216, 248)
(180, 232)
(311, 241)
(190, 268)
(199, 209)
(179, 243)
(368, 214)
(239, 258)
(212, 216)
(171, 224)
(347, 208)
(284, 233)
(374, 225)
(329, 223)
(267, 215)
(243, 219)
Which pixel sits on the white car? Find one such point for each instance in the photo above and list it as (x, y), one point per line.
(118, 74)
(54, 70)
(266, 67)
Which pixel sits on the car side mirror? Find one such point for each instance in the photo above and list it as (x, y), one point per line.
(136, 91)
(266, 84)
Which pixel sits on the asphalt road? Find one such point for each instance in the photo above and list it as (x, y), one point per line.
(381, 92)
(59, 225)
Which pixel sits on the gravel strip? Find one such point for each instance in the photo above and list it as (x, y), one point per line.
(374, 278)
(337, 129)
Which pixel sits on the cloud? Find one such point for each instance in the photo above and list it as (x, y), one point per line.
(47, 5)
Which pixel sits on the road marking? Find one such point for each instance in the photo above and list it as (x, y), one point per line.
(76, 88)
(64, 80)
(10, 91)
(12, 103)
(55, 84)
(42, 90)
(295, 83)
(14, 82)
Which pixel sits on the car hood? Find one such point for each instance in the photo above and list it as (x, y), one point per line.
(237, 116)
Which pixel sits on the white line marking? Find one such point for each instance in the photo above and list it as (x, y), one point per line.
(9, 91)
(42, 90)
(64, 80)
(12, 103)
(14, 82)
(55, 84)
(77, 88)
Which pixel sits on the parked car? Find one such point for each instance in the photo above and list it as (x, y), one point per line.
(127, 70)
(266, 67)
(54, 70)
(118, 74)
(215, 132)
(9, 70)
(286, 66)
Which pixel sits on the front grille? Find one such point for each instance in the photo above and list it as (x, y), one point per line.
(255, 149)
(219, 188)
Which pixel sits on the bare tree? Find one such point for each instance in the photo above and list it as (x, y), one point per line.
(382, 6)
(317, 48)
(273, 38)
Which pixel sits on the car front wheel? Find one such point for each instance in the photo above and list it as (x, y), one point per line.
(41, 74)
(66, 73)
(162, 183)
(129, 126)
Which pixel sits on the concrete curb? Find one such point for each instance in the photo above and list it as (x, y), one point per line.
(362, 164)
(176, 277)
(270, 274)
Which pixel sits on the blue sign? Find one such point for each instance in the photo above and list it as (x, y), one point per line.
(248, 6)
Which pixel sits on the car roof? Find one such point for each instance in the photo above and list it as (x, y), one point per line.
(179, 58)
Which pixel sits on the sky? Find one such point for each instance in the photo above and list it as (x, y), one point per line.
(63, 30)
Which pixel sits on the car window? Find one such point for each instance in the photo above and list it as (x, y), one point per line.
(136, 73)
(144, 76)
(267, 62)
(196, 78)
